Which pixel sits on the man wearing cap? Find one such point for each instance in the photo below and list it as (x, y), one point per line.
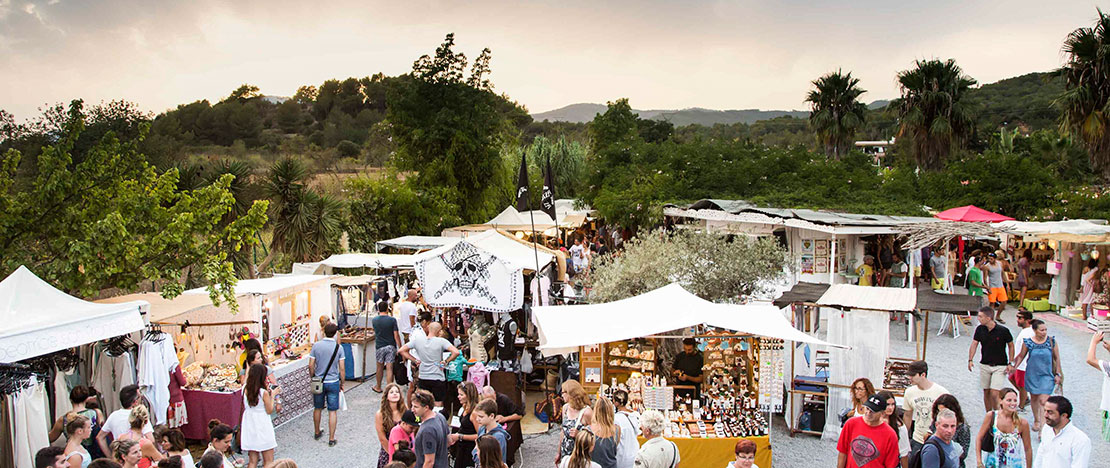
(918, 403)
(686, 368)
(866, 442)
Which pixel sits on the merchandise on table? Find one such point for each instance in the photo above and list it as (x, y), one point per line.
(896, 375)
(357, 334)
(212, 377)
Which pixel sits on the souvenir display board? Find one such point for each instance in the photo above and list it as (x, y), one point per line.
(896, 375)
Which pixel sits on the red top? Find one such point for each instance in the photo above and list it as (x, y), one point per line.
(177, 380)
(867, 446)
(973, 214)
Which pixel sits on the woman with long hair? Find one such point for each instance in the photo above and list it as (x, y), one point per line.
(173, 443)
(1088, 282)
(576, 415)
(140, 416)
(78, 429)
(892, 416)
(126, 452)
(256, 432)
(963, 431)
(608, 434)
(1043, 371)
(464, 440)
(861, 389)
(582, 454)
(1012, 448)
(388, 416)
(489, 453)
(1024, 273)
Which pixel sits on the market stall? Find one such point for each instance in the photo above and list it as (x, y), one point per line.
(742, 346)
(40, 324)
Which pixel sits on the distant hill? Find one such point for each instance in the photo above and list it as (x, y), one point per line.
(1024, 100)
(585, 112)
(881, 103)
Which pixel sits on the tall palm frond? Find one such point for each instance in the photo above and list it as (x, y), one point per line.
(837, 112)
(931, 113)
(1085, 104)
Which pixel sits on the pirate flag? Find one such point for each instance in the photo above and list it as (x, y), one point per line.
(547, 197)
(522, 186)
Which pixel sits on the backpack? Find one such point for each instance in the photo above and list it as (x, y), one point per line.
(400, 370)
(479, 374)
(917, 459)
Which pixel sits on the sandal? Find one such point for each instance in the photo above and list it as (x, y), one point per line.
(331, 443)
(376, 389)
(318, 435)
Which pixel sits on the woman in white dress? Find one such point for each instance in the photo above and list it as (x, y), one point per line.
(256, 434)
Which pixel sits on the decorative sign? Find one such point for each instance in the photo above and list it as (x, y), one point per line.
(467, 276)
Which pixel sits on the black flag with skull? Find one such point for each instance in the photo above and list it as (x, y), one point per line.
(522, 186)
(547, 197)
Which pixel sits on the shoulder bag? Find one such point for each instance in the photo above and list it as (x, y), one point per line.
(986, 444)
(318, 382)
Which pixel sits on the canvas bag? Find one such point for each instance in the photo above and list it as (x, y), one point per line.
(318, 382)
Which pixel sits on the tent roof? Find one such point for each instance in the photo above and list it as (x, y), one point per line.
(933, 301)
(39, 319)
(973, 214)
(564, 328)
(161, 308)
(270, 285)
(501, 246)
(417, 242)
(1075, 230)
(802, 292)
(366, 260)
(869, 297)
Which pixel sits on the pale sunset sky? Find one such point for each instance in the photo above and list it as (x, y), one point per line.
(546, 54)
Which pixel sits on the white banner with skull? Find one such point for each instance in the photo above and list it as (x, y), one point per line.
(468, 276)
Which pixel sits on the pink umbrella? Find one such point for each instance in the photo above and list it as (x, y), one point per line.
(973, 214)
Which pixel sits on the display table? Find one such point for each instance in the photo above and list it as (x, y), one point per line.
(295, 381)
(717, 452)
(203, 406)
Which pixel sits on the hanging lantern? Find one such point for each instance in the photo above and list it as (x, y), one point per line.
(1041, 245)
(1094, 254)
(1052, 244)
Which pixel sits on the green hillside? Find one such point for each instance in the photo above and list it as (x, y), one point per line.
(1024, 101)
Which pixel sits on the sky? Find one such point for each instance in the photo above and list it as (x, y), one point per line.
(546, 54)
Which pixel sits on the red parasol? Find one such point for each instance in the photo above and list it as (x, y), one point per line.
(972, 214)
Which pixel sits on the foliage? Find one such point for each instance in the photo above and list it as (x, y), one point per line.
(715, 268)
(568, 163)
(380, 209)
(1087, 81)
(111, 221)
(837, 112)
(933, 117)
(450, 129)
(1024, 102)
(306, 224)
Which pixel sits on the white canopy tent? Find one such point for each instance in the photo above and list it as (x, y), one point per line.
(416, 242)
(564, 328)
(39, 319)
(516, 253)
(1080, 231)
(274, 285)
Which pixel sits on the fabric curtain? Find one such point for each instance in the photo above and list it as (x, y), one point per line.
(867, 333)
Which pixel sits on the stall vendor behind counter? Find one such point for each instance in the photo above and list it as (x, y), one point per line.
(686, 369)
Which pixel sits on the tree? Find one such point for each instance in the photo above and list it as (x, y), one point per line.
(1087, 91)
(111, 221)
(244, 92)
(837, 112)
(931, 112)
(387, 208)
(449, 131)
(306, 224)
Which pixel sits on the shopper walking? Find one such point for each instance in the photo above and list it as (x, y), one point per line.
(387, 337)
(656, 452)
(892, 416)
(997, 287)
(462, 442)
(976, 284)
(963, 431)
(387, 418)
(576, 415)
(939, 450)
(256, 431)
(327, 364)
(628, 423)
(431, 438)
(427, 353)
(1044, 372)
(118, 422)
(938, 269)
(866, 442)
(1024, 320)
(1064, 446)
(1104, 368)
(78, 429)
(606, 432)
(994, 362)
(1088, 286)
(918, 403)
(140, 418)
(1010, 433)
(407, 314)
(1024, 273)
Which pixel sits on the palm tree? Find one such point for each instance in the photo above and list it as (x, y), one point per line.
(306, 224)
(930, 113)
(1084, 103)
(837, 112)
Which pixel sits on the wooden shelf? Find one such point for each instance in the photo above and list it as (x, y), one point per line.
(806, 392)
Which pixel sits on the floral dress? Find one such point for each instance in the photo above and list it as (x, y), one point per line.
(1009, 449)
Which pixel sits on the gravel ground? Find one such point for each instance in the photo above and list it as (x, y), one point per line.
(358, 444)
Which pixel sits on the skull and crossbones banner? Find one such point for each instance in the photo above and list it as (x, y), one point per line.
(467, 276)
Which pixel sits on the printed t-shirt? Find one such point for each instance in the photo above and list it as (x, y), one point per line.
(920, 402)
(867, 446)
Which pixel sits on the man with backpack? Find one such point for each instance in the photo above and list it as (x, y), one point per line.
(939, 451)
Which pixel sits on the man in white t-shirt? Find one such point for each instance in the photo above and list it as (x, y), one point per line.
(118, 423)
(1024, 319)
(918, 403)
(406, 313)
(428, 354)
(1104, 367)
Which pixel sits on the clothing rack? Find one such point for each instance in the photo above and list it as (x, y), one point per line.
(15, 377)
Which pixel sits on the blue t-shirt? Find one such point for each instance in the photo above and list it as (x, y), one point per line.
(498, 433)
(931, 459)
(384, 326)
(322, 351)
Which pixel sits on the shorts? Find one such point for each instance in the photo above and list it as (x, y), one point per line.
(998, 295)
(992, 377)
(938, 283)
(385, 354)
(437, 387)
(1018, 378)
(330, 395)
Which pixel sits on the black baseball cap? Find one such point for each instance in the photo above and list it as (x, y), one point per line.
(409, 418)
(875, 403)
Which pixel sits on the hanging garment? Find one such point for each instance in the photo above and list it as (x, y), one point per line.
(62, 405)
(541, 295)
(7, 460)
(31, 429)
(506, 339)
(154, 376)
(110, 374)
